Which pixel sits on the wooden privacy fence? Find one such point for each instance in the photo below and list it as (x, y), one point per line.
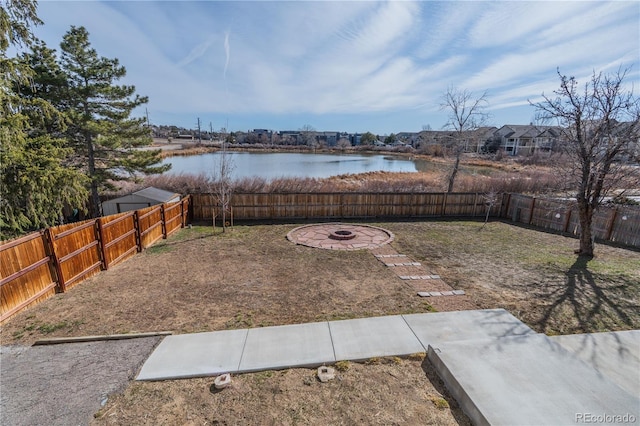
(271, 206)
(619, 224)
(35, 266)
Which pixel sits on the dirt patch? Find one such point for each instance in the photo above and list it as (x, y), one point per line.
(382, 392)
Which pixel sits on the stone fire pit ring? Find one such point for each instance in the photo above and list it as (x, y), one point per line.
(340, 236)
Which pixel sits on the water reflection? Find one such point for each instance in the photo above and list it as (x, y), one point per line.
(275, 165)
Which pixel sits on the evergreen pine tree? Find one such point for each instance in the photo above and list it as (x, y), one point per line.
(101, 131)
(35, 184)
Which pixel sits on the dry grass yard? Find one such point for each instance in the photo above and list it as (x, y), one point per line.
(252, 276)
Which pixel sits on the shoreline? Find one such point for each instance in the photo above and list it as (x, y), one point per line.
(181, 149)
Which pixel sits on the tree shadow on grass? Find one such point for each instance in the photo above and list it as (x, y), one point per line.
(584, 302)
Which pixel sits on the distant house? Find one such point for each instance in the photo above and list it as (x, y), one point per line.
(328, 138)
(517, 139)
(139, 200)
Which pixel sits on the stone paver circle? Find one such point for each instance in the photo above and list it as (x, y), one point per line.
(323, 235)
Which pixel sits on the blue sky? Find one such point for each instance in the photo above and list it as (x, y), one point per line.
(348, 66)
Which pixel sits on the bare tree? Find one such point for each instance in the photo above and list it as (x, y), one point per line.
(343, 143)
(466, 113)
(601, 129)
(490, 198)
(308, 135)
(222, 182)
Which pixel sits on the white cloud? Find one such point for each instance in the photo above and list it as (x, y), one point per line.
(197, 52)
(293, 58)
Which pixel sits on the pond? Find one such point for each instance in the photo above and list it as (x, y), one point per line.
(276, 165)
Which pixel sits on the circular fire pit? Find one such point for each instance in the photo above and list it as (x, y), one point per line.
(342, 235)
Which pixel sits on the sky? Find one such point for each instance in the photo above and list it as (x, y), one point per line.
(351, 66)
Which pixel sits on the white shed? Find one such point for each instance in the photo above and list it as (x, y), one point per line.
(139, 200)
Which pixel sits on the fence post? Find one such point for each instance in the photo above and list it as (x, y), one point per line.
(271, 205)
(54, 265)
(61, 280)
(504, 211)
(163, 224)
(181, 213)
(444, 205)
(567, 220)
(101, 248)
(136, 225)
(414, 205)
(612, 223)
(533, 206)
(475, 203)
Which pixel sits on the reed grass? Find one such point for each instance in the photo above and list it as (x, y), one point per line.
(525, 182)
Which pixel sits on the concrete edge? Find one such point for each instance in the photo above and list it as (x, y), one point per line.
(454, 387)
(99, 338)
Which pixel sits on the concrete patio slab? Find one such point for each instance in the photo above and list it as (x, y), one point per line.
(287, 346)
(195, 355)
(365, 338)
(464, 325)
(528, 380)
(615, 355)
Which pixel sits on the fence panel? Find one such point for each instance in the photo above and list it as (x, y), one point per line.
(288, 206)
(601, 222)
(172, 217)
(26, 275)
(626, 228)
(186, 210)
(549, 214)
(356, 205)
(520, 207)
(428, 204)
(322, 205)
(118, 238)
(392, 204)
(619, 224)
(250, 206)
(76, 252)
(149, 225)
(461, 204)
(201, 206)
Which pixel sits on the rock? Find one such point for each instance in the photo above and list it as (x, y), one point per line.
(222, 381)
(326, 373)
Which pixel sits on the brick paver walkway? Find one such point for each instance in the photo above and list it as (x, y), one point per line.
(424, 282)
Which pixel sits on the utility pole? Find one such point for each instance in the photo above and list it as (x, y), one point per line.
(147, 114)
(199, 133)
(210, 132)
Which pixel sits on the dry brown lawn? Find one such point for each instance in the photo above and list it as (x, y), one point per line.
(251, 276)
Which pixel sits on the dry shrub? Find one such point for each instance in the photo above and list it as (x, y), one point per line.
(181, 183)
(434, 150)
(527, 182)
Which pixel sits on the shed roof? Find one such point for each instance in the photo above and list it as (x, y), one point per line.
(156, 194)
